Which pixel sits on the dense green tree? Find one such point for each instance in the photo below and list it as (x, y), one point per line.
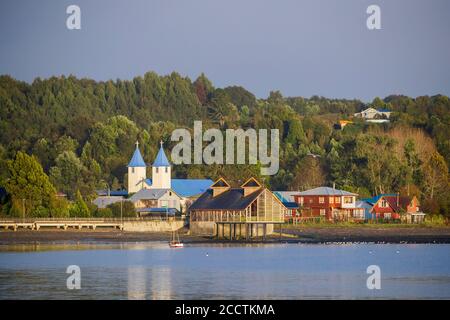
(27, 184)
(79, 208)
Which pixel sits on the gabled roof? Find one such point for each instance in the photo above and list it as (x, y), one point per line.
(403, 202)
(375, 199)
(148, 194)
(220, 183)
(161, 159)
(137, 160)
(252, 182)
(187, 187)
(232, 199)
(326, 191)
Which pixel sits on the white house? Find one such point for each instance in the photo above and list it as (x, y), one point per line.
(371, 114)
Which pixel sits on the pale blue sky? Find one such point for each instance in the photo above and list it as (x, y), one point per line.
(301, 48)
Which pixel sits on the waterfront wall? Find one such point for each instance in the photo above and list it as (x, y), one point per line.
(152, 226)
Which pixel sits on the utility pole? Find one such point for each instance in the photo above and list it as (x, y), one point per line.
(121, 213)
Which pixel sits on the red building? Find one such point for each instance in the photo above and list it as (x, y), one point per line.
(329, 203)
(392, 206)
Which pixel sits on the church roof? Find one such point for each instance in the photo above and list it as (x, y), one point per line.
(161, 159)
(137, 160)
(187, 187)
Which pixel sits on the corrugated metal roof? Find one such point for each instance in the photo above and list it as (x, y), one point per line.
(232, 199)
(161, 159)
(137, 160)
(188, 187)
(286, 195)
(148, 194)
(326, 191)
(103, 202)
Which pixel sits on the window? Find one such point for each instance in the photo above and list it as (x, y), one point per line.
(331, 200)
(132, 170)
(321, 199)
(384, 203)
(358, 213)
(167, 169)
(322, 212)
(348, 200)
(387, 215)
(300, 200)
(157, 169)
(338, 200)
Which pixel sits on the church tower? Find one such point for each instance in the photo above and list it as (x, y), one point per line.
(136, 171)
(161, 171)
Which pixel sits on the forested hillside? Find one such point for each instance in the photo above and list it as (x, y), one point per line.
(82, 133)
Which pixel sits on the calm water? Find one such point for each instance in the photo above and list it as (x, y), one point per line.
(284, 271)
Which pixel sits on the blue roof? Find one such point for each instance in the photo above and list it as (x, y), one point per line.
(161, 159)
(375, 199)
(367, 207)
(169, 211)
(188, 187)
(383, 110)
(112, 193)
(290, 205)
(137, 160)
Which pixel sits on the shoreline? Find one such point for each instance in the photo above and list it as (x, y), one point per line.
(297, 234)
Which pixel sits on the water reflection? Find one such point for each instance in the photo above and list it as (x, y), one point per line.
(154, 271)
(137, 283)
(161, 284)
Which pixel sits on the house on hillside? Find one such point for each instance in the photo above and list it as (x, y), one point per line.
(156, 201)
(248, 210)
(330, 204)
(374, 115)
(396, 207)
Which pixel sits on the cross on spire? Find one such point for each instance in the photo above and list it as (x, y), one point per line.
(137, 144)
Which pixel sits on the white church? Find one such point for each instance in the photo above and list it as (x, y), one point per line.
(161, 193)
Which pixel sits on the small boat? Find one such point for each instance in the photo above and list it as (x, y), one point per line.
(175, 242)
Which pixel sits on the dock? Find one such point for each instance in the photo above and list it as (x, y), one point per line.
(60, 223)
(248, 230)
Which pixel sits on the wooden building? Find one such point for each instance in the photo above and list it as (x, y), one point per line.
(396, 207)
(249, 210)
(330, 204)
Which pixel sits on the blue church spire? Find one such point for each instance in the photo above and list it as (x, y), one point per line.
(137, 160)
(161, 159)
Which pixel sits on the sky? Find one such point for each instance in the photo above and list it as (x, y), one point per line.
(302, 48)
